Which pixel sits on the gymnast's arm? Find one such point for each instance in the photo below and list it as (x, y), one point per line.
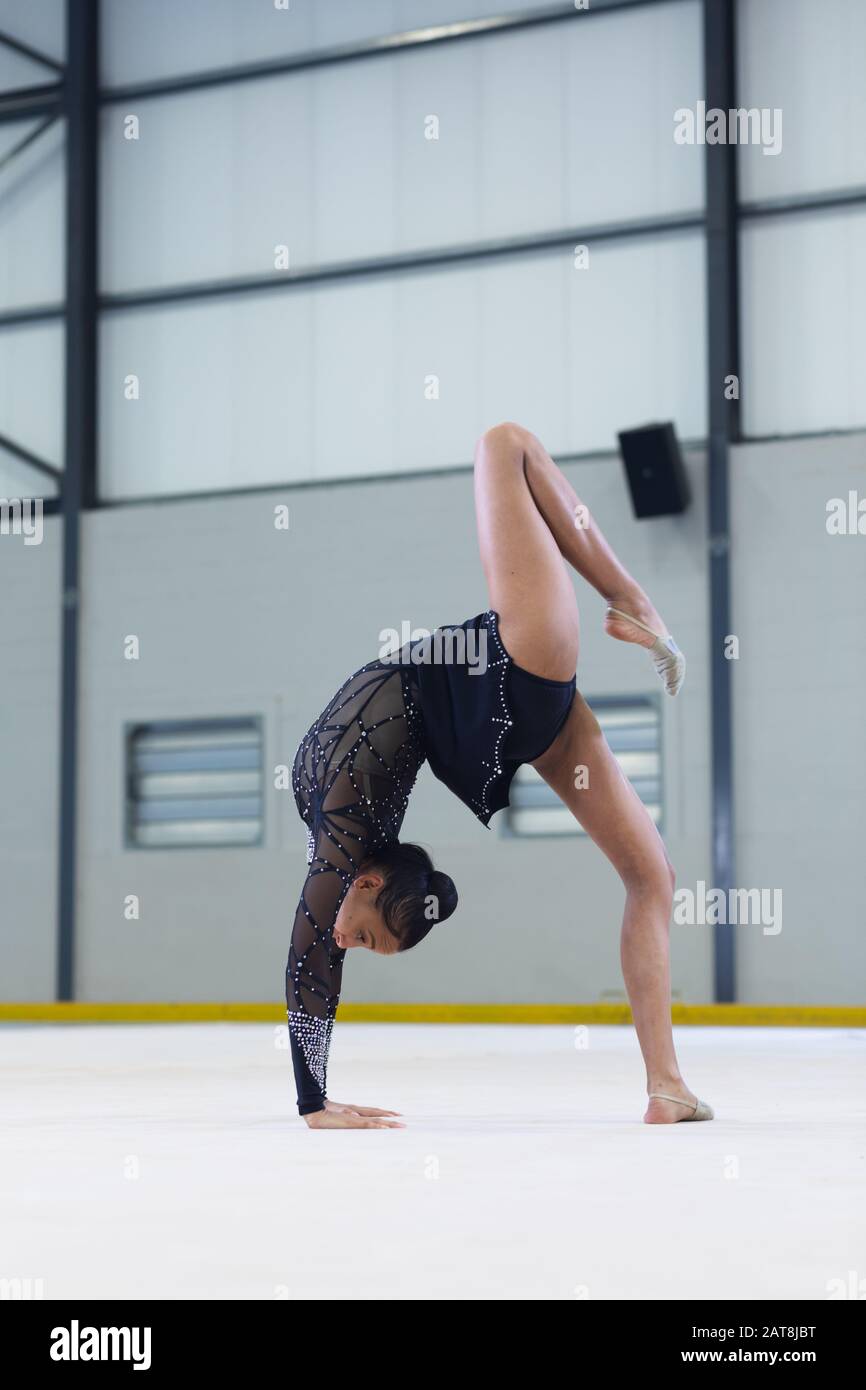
(313, 980)
(313, 977)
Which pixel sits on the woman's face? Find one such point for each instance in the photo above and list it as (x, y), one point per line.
(359, 922)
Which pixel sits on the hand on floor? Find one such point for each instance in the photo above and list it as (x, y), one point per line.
(337, 1116)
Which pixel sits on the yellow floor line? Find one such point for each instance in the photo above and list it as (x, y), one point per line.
(708, 1015)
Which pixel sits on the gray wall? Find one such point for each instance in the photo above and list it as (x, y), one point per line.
(233, 616)
(799, 604)
(29, 760)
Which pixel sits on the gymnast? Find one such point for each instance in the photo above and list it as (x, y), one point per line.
(475, 722)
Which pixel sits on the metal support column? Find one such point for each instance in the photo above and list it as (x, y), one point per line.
(723, 362)
(81, 107)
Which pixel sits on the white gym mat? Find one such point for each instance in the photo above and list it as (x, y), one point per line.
(168, 1162)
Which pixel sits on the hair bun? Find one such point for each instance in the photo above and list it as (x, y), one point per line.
(414, 896)
(441, 887)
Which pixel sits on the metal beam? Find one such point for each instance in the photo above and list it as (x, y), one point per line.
(33, 54)
(24, 103)
(723, 361)
(368, 48)
(32, 460)
(806, 202)
(30, 138)
(37, 313)
(421, 260)
(411, 260)
(293, 485)
(82, 26)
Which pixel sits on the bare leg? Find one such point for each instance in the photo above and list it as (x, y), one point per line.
(526, 513)
(527, 579)
(611, 812)
(572, 527)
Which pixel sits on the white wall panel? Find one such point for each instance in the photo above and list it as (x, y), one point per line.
(213, 183)
(149, 39)
(637, 349)
(539, 130)
(520, 183)
(355, 378)
(803, 315)
(32, 217)
(354, 159)
(225, 396)
(438, 196)
(439, 327)
(524, 358)
(143, 40)
(331, 381)
(624, 77)
(808, 60)
(31, 388)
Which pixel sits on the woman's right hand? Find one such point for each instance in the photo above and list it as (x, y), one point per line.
(337, 1116)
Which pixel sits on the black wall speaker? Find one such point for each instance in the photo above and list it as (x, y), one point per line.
(654, 467)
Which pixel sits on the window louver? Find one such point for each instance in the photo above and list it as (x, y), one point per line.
(195, 783)
(632, 727)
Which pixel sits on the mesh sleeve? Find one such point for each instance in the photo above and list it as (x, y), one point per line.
(313, 980)
(352, 776)
(315, 966)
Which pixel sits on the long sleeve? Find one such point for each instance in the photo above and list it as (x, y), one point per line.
(314, 975)
(352, 775)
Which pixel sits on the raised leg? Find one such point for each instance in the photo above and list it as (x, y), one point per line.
(528, 516)
(611, 812)
(527, 579)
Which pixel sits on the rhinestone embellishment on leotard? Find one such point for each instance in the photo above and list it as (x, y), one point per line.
(503, 719)
(313, 1036)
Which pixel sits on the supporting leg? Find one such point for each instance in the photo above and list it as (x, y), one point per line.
(529, 520)
(611, 812)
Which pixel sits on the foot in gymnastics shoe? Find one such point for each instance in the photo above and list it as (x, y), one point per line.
(691, 1109)
(667, 658)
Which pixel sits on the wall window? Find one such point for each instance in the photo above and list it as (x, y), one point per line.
(195, 783)
(632, 727)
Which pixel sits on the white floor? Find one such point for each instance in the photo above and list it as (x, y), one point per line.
(169, 1162)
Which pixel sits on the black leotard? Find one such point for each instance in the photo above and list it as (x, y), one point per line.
(353, 773)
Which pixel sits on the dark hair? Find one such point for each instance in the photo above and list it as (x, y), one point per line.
(415, 896)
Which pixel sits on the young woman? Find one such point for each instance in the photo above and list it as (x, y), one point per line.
(511, 699)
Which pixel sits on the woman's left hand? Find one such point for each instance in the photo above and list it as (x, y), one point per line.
(338, 1108)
